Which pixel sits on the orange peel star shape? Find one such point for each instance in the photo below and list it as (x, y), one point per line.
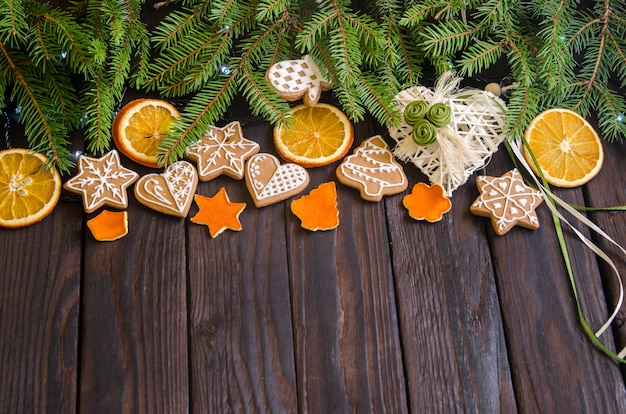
(318, 210)
(218, 213)
(427, 202)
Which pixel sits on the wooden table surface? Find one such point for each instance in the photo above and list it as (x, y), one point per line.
(383, 314)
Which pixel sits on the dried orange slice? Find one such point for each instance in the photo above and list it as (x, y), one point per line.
(140, 126)
(318, 136)
(109, 225)
(566, 147)
(28, 192)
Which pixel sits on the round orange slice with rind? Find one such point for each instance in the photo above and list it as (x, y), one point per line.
(29, 191)
(140, 126)
(318, 136)
(567, 148)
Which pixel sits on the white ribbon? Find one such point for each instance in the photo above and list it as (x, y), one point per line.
(550, 198)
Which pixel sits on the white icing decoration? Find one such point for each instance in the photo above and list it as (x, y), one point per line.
(365, 174)
(96, 180)
(298, 76)
(179, 178)
(284, 177)
(221, 144)
(513, 197)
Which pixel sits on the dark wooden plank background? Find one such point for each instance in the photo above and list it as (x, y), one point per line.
(383, 314)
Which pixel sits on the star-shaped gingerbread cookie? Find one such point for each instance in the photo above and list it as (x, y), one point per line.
(508, 201)
(222, 151)
(218, 213)
(102, 181)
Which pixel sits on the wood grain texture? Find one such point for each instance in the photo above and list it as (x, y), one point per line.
(555, 367)
(134, 319)
(39, 307)
(382, 314)
(347, 348)
(241, 339)
(453, 340)
(608, 189)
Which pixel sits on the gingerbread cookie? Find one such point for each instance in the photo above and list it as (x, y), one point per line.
(508, 201)
(222, 151)
(373, 170)
(298, 78)
(270, 182)
(170, 192)
(102, 181)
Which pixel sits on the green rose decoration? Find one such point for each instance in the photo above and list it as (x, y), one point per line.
(424, 132)
(439, 114)
(415, 111)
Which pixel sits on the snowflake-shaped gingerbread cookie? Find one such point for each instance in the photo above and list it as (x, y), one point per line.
(222, 151)
(102, 181)
(508, 201)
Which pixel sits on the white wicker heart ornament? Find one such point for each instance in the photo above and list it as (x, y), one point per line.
(461, 147)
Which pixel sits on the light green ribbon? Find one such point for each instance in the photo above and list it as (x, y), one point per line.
(424, 132)
(415, 111)
(439, 114)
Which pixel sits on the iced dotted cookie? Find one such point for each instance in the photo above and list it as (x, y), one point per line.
(102, 181)
(508, 201)
(222, 151)
(298, 78)
(270, 182)
(170, 192)
(373, 170)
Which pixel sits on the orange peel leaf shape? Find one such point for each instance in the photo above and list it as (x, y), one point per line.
(218, 213)
(109, 225)
(318, 209)
(427, 202)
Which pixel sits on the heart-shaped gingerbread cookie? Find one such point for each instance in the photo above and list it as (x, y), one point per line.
(269, 181)
(170, 192)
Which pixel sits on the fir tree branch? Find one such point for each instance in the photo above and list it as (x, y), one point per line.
(447, 38)
(44, 128)
(517, 111)
(258, 94)
(66, 40)
(12, 20)
(179, 30)
(96, 127)
(604, 20)
(269, 10)
(418, 13)
(201, 113)
(378, 100)
(480, 57)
